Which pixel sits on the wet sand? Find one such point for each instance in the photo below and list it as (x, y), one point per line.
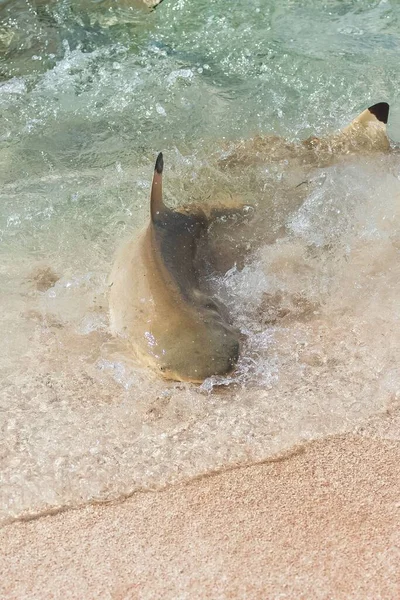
(322, 522)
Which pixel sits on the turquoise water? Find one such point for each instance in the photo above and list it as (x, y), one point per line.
(89, 93)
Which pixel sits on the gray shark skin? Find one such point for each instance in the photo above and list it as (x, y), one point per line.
(158, 301)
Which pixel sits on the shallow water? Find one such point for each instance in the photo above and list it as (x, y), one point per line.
(89, 93)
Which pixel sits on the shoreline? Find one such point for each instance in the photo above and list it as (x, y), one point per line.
(316, 523)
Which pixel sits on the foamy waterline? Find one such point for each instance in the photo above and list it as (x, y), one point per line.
(317, 307)
(315, 285)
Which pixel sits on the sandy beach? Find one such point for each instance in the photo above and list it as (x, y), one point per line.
(279, 480)
(322, 522)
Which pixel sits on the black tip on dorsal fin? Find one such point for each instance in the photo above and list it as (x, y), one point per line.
(156, 202)
(159, 164)
(381, 111)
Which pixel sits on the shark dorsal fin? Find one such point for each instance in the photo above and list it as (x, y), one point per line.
(380, 111)
(156, 202)
(369, 128)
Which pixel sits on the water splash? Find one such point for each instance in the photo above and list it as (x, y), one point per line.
(316, 285)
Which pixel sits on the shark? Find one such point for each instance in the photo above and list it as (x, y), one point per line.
(157, 300)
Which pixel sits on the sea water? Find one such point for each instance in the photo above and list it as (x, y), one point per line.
(89, 93)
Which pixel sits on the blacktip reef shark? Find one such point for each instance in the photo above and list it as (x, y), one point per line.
(156, 300)
(365, 134)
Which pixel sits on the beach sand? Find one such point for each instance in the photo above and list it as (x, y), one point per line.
(322, 522)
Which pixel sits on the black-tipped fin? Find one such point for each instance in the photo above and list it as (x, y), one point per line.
(159, 163)
(381, 111)
(156, 202)
(368, 130)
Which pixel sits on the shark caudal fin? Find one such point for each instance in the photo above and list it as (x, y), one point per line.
(156, 201)
(369, 128)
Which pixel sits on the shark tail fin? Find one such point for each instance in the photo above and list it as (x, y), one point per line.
(156, 201)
